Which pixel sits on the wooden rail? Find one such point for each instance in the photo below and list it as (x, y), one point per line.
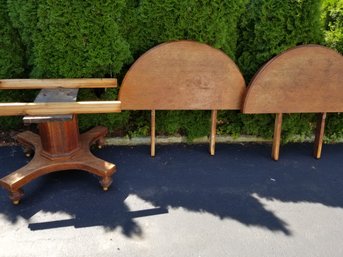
(57, 83)
(59, 108)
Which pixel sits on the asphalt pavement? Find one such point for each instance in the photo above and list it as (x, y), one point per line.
(182, 203)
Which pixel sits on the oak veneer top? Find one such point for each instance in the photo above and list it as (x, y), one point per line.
(182, 75)
(304, 79)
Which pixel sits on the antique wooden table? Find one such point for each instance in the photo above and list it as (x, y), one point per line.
(57, 147)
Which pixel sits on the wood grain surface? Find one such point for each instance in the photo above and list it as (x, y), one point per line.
(303, 79)
(182, 75)
(57, 83)
(58, 108)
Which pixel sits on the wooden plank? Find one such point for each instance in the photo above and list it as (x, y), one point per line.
(277, 136)
(55, 108)
(58, 83)
(318, 143)
(213, 131)
(304, 79)
(183, 75)
(153, 133)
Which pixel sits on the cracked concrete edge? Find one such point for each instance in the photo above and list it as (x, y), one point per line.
(200, 140)
(182, 139)
(126, 141)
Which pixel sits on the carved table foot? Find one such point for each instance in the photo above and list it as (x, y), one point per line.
(16, 196)
(106, 182)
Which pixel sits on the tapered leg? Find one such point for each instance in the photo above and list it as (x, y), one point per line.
(318, 143)
(213, 132)
(153, 129)
(277, 136)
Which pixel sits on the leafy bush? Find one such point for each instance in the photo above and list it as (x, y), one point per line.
(46, 38)
(214, 22)
(11, 62)
(79, 39)
(334, 127)
(332, 15)
(270, 27)
(23, 16)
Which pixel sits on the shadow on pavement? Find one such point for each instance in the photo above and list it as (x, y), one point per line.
(186, 176)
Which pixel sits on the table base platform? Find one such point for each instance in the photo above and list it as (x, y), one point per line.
(48, 159)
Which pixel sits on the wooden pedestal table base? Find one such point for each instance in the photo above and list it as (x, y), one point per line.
(58, 147)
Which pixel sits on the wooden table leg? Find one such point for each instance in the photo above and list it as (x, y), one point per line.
(153, 133)
(277, 136)
(213, 132)
(318, 143)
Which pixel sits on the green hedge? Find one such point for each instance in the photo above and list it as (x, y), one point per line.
(11, 54)
(11, 62)
(332, 15)
(332, 18)
(48, 39)
(150, 22)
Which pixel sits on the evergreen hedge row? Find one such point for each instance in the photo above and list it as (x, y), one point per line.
(11, 62)
(71, 39)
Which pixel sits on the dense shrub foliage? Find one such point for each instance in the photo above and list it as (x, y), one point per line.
(71, 39)
(210, 21)
(332, 15)
(11, 62)
(11, 55)
(272, 26)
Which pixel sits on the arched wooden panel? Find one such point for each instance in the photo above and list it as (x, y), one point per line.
(303, 79)
(182, 75)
